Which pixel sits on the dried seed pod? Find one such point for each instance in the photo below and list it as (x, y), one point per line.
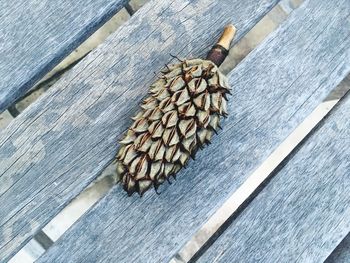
(180, 115)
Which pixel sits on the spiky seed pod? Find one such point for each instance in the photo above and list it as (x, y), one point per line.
(180, 115)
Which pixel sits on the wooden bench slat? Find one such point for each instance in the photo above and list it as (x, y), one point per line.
(56, 147)
(275, 88)
(36, 35)
(303, 213)
(342, 253)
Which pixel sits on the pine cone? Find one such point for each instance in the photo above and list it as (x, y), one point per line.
(180, 115)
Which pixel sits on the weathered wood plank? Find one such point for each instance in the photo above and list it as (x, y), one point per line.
(63, 141)
(275, 88)
(342, 253)
(303, 213)
(36, 35)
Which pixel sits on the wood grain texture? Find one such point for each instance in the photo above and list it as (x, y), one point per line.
(342, 253)
(59, 144)
(303, 213)
(36, 35)
(275, 88)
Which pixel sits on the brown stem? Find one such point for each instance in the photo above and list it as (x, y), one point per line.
(219, 51)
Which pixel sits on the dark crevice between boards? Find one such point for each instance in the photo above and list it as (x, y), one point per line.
(130, 10)
(13, 110)
(41, 87)
(44, 241)
(338, 252)
(340, 92)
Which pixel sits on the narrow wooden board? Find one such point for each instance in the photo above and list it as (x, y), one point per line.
(61, 143)
(303, 213)
(342, 253)
(275, 88)
(36, 35)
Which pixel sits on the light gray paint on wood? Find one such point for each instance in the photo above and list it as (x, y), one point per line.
(58, 145)
(342, 253)
(303, 213)
(275, 88)
(35, 35)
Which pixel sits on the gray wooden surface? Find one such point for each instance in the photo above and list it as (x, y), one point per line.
(303, 213)
(58, 145)
(342, 253)
(275, 88)
(37, 35)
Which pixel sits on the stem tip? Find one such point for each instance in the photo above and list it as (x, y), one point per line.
(219, 51)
